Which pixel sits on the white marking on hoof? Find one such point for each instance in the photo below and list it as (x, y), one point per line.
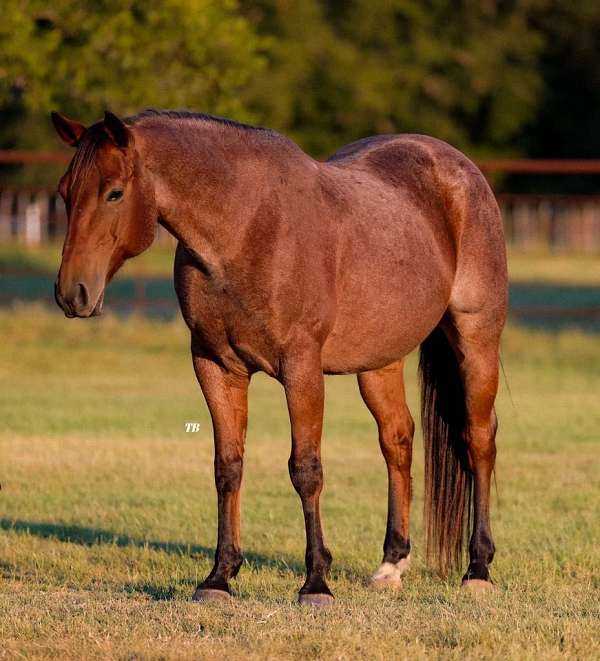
(389, 574)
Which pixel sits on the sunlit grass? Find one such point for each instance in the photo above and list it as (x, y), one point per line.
(546, 267)
(107, 509)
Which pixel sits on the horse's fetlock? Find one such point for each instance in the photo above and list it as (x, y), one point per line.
(234, 562)
(395, 547)
(482, 548)
(318, 561)
(228, 562)
(315, 584)
(326, 559)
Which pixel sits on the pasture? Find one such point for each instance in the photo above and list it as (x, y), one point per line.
(107, 509)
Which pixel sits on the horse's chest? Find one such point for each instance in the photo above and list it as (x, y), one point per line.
(228, 326)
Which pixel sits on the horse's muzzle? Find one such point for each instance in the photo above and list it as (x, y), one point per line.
(76, 301)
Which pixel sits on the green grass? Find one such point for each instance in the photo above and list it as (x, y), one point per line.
(107, 510)
(557, 268)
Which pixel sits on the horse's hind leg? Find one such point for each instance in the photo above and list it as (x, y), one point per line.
(475, 341)
(383, 393)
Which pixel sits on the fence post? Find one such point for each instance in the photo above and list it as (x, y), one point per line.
(6, 205)
(33, 223)
(23, 200)
(42, 199)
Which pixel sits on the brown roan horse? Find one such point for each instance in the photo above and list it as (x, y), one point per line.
(297, 268)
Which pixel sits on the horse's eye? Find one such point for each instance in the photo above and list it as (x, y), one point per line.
(114, 195)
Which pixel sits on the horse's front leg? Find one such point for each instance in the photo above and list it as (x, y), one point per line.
(304, 389)
(227, 398)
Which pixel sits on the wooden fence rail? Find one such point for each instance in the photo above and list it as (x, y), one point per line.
(554, 222)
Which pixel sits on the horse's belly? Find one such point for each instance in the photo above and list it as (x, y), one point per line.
(396, 266)
(378, 325)
(348, 351)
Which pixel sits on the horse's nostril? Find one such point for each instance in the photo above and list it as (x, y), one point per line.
(81, 295)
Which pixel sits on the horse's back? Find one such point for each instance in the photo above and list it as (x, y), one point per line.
(426, 231)
(449, 191)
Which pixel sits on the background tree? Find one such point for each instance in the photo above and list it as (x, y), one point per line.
(464, 71)
(85, 56)
(566, 122)
(493, 77)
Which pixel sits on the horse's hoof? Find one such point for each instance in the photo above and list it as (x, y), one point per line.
(390, 583)
(388, 575)
(318, 600)
(478, 586)
(209, 594)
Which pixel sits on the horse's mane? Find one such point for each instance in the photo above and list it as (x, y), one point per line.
(152, 113)
(94, 136)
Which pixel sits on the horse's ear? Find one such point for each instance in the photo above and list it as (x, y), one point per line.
(69, 130)
(116, 130)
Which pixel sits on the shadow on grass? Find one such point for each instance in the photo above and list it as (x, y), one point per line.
(86, 536)
(155, 592)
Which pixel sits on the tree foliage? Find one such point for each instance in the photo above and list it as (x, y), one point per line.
(490, 76)
(464, 71)
(83, 56)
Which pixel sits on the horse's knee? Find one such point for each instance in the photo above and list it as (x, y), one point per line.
(306, 474)
(228, 474)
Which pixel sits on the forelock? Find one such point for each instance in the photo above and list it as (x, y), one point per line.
(85, 156)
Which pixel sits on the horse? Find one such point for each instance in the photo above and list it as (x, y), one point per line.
(299, 268)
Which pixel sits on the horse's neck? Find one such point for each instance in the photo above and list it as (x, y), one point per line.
(209, 186)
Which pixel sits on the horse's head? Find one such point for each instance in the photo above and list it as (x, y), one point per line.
(111, 210)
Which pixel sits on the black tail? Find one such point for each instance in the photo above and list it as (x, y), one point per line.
(448, 480)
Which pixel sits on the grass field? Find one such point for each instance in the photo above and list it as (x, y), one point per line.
(107, 510)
